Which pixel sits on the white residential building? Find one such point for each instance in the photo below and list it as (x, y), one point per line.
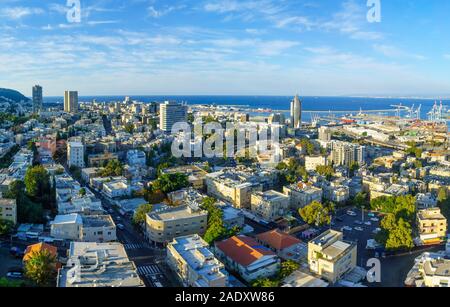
(136, 158)
(98, 265)
(194, 264)
(75, 154)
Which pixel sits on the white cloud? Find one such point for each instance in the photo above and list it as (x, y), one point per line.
(394, 52)
(19, 12)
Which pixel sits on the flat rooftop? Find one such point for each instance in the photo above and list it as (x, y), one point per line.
(176, 213)
(97, 221)
(98, 265)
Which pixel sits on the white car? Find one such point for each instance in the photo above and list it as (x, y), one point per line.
(374, 219)
(368, 223)
(346, 228)
(351, 213)
(359, 229)
(120, 226)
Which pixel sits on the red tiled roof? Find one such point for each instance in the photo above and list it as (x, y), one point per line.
(37, 248)
(243, 250)
(277, 239)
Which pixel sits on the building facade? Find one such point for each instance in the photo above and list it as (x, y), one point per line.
(8, 210)
(163, 226)
(37, 99)
(330, 257)
(70, 101)
(171, 113)
(75, 154)
(194, 264)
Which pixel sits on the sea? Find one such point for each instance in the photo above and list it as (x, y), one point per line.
(311, 105)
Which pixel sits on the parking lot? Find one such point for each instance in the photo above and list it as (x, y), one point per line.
(359, 232)
(8, 261)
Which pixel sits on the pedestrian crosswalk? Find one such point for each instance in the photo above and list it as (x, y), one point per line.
(149, 270)
(134, 246)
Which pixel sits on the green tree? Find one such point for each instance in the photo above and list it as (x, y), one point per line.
(326, 171)
(141, 213)
(361, 200)
(112, 168)
(442, 195)
(400, 237)
(308, 146)
(287, 268)
(129, 128)
(6, 283)
(27, 210)
(41, 268)
(265, 283)
(216, 229)
(37, 182)
(316, 214)
(6, 226)
(171, 182)
(353, 168)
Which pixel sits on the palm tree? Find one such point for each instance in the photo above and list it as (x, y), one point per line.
(41, 268)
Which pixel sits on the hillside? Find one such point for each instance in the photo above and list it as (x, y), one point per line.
(8, 95)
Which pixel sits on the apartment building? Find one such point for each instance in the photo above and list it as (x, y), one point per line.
(194, 264)
(8, 210)
(247, 257)
(331, 257)
(98, 265)
(164, 225)
(75, 154)
(311, 163)
(344, 153)
(232, 187)
(94, 228)
(432, 225)
(269, 205)
(301, 195)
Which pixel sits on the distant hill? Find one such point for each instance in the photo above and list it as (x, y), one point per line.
(8, 95)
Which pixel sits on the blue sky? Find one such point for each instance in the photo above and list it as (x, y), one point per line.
(243, 47)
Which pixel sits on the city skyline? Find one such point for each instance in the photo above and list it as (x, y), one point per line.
(226, 48)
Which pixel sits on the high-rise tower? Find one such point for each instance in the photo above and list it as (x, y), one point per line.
(37, 99)
(70, 101)
(296, 112)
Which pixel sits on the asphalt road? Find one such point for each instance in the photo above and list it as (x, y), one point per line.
(149, 260)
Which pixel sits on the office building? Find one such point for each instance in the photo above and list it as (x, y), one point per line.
(171, 113)
(296, 113)
(330, 257)
(75, 154)
(70, 101)
(194, 264)
(37, 99)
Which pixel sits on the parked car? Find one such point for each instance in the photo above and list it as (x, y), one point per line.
(338, 219)
(15, 273)
(359, 229)
(120, 226)
(368, 223)
(17, 252)
(351, 213)
(358, 222)
(346, 228)
(370, 214)
(375, 219)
